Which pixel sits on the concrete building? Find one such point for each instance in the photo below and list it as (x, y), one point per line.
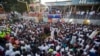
(75, 5)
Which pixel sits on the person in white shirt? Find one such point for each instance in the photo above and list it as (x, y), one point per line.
(58, 47)
(28, 47)
(73, 40)
(87, 47)
(14, 53)
(9, 45)
(8, 52)
(52, 33)
(1, 48)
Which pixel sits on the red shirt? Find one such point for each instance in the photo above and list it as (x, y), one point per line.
(7, 37)
(58, 54)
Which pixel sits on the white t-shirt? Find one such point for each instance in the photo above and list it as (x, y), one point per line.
(67, 48)
(47, 47)
(50, 45)
(14, 53)
(93, 50)
(10, 45)
(82, 12)
(54, 52)
(58, 47)
(73, 40)
(23, 47)
(69, 54)
(79, 39)
(41, 47)
(87, 46)
(97, 43)
(1, 48)
(92, 12)
(28, 47)
(29, 55)
(62, 49)
(37, 54)
(9, 52)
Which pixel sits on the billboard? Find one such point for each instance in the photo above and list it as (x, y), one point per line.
(54, 16)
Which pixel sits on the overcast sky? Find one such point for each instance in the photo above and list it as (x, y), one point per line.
(43, 1)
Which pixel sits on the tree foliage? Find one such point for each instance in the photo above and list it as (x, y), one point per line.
(21, 7)
(14, 5)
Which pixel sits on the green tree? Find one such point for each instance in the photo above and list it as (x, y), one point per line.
(9, 4)
(21, 7)
(14, 5)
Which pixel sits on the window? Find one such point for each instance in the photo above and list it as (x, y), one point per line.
(82, 1)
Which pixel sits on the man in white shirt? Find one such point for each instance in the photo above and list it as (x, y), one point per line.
(52, 33)
(1, 48)
(14, 53)
(58, 47)
(8, 52)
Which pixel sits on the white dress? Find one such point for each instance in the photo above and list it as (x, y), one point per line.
(52, 33)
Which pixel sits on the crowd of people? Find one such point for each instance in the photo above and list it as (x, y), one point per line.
(83, 14)
(27, 38)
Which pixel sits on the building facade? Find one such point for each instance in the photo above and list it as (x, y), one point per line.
(75, 5)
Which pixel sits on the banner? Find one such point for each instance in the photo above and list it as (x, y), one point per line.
(54, 16)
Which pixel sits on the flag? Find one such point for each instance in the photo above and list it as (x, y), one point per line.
(93, 34)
